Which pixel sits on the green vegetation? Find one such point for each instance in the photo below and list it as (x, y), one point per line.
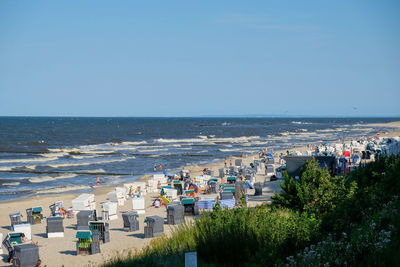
(316, 220)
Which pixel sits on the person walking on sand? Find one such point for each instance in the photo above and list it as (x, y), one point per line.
(98, 180)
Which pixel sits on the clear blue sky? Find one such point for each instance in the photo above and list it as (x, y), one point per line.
(191, 58)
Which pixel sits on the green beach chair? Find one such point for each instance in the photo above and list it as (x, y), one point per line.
(84, 242)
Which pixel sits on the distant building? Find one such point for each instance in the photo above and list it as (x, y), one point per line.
(295, 163)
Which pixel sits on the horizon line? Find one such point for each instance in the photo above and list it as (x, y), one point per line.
(199, 116)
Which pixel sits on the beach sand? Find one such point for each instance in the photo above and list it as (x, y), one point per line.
(62, 252)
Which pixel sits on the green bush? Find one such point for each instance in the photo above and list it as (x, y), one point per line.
(363, 230)
(314, 192)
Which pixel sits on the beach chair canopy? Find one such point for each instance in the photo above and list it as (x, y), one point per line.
(213, 180)
(15, 238)
(187, 201)
(83, 234)
(232, 178)
(37, 209)
(229, 189)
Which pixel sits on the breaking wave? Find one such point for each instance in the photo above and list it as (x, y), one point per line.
(11, 184)
(62, 189)
(51, 178)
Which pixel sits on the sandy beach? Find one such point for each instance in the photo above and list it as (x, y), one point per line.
(62, 252)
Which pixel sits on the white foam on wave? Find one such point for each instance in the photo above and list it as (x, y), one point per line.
(91, 171)
(205, 139)
(230, 149)
(63, 150)
(187, 140)
(185, 148)
(11, 184)
(88, 163)
(89, 149)
(83, 157)
(53, 154)
(152, 150)
(241, 139)
(51, 178)
(134, 143)
(28, 160)
(300, 122)
(98, 151)
(63, 189)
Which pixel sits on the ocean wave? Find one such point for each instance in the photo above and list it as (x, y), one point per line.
(154, 156)
(83, 157)
(87, 163)
(241, 139)
(53, 154)
(28, 160)
(11, 184)
(185, 148)
(187, 140)
(63, 150)
(134, 143)
(300, 122)
(152, 150)
(91, 171)
(230, 149)
(334, 130)
(98, 151)
(63, 189)
(43, 179)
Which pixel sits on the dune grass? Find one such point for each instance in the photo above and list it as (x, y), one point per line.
(316, 220)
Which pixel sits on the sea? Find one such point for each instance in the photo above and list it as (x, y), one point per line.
(43, 155)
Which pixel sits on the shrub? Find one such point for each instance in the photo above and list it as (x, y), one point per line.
(315, 192)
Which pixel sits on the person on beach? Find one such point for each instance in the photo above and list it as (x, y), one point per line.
(155, 167)
(160, 167)
(98, 180)
(225, 163)
(230, 163)
(131, 191)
